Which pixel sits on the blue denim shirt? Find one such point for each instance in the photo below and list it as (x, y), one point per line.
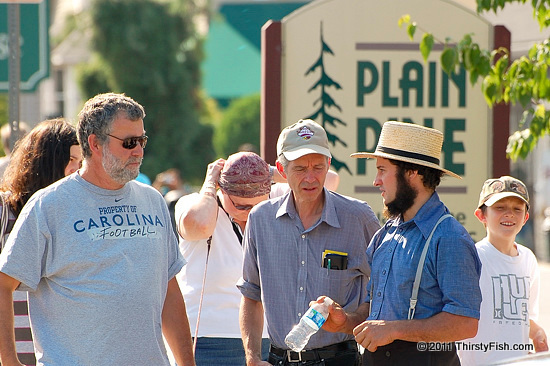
(283, 262)
(450, 278)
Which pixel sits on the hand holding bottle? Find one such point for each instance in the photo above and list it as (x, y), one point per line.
(337, 317)
(309, 324)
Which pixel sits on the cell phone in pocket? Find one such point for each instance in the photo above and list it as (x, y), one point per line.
(335, 261)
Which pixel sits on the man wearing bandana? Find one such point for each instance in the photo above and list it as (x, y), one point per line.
(212, 223)
(286, 243)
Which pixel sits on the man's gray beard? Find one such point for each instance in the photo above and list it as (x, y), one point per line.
(116, 169)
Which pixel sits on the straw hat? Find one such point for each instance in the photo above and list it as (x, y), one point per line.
(410, 143)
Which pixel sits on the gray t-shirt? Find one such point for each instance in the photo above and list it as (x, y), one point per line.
(96, 264)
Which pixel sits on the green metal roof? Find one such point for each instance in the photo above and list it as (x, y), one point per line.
(232, 64)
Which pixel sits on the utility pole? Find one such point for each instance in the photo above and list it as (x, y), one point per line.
(14, 72)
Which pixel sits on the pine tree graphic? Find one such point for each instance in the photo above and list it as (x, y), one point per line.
(325, 102)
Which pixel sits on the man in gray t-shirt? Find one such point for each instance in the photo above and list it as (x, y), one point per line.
(97, 253)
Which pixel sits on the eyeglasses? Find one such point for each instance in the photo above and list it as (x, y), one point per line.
(239, 207)
(131, 142)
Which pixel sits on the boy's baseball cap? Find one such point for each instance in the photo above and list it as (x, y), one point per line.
(304, 137)
(496, 189)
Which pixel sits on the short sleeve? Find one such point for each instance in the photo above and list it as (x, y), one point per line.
(249, 283)
(25, 256)
(458, 273)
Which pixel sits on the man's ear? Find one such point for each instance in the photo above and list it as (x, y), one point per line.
(411, 174)
(94, 144)
(280, 169)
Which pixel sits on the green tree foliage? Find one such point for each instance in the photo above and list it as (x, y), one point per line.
(239, 125)
(149, 50)
(92, 78)
(523, 81)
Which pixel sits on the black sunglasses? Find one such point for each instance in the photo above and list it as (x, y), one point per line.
(239, 207)
(131, 142)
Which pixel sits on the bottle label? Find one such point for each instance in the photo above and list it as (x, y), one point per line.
(314, 318)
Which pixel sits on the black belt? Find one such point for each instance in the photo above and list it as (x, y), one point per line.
(317, 354)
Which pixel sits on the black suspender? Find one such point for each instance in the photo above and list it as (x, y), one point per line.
(236, 228)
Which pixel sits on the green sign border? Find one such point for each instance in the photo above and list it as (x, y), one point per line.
(30, 84)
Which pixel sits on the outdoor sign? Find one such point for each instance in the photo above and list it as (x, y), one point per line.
(34, 44)
(347, 65)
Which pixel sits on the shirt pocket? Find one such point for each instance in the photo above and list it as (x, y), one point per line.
(341, 285)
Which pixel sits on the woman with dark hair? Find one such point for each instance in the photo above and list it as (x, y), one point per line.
(49, 152)
(39, 159)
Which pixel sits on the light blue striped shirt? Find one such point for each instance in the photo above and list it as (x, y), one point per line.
(283, 262)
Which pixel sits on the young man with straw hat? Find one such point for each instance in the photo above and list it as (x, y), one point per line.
(424, 286)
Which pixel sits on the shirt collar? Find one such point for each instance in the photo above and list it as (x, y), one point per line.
(329, 210)
(428, 215)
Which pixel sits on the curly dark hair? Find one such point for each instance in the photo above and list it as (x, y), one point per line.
(431, 177)
(38, 160)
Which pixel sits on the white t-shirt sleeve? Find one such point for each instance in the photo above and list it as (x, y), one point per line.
(535, 287)
(279, 189)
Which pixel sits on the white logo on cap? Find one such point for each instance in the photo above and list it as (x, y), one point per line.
(305, 133)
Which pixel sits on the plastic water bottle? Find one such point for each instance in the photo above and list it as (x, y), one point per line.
(309, 324)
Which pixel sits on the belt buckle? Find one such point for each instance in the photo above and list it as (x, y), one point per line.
(289, 356)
